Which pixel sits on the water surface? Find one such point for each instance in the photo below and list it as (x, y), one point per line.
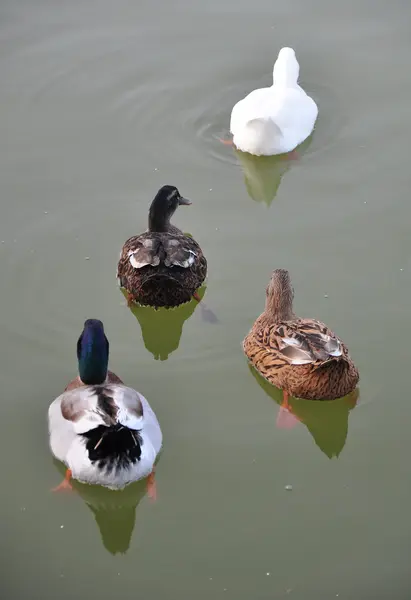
(101, 103)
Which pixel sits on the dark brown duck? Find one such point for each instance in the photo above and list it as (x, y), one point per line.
(163, 266)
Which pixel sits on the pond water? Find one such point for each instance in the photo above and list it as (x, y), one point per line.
(103, 102)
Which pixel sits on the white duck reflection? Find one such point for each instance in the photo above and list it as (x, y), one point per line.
(263, 174)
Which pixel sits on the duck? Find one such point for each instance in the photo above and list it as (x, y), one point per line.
(162, 267)
(103, 431)
(301, 356)
(276, 119)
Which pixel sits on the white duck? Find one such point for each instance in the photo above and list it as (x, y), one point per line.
(105, 433)
(276, 119)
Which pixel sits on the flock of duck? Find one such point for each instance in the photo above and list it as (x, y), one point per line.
(105, 432)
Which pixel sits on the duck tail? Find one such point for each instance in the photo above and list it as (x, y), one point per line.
(259, 136)
(264, 126)
(115, 441)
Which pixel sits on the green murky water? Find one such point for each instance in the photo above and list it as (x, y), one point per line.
(101, 103)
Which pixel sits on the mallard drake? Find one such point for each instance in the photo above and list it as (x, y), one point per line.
(103, 431)
(303, 357)
(163, 266)
(276, 119)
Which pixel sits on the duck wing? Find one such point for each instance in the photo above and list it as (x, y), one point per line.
(305, 341)
(89, 407)
(180, 251)
(168, 248)
(146, 250)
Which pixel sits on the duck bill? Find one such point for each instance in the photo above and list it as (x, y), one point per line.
(184, 201)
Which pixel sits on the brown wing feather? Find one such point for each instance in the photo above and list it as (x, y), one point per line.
(146, 251)
(308, 340)
(162, 248)
(180, 252)
(301, 341)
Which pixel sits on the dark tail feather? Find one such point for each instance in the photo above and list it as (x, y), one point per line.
(116, 441)
(164, 290)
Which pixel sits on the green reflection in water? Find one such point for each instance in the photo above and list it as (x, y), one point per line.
(263, 174)
(162, 328)
(326, 420)
(114, 511)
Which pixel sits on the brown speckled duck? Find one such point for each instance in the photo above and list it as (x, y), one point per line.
(163, 266)
(303, 357)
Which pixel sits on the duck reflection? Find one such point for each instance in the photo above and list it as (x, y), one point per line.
(162, 328)
(114, 511)
(326, 420)
(263, 174)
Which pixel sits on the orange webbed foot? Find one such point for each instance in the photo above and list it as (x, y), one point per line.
(130, 299)
(293, 155)
(65, 485)
(151, 486)
(226, 142)
(285, 418)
